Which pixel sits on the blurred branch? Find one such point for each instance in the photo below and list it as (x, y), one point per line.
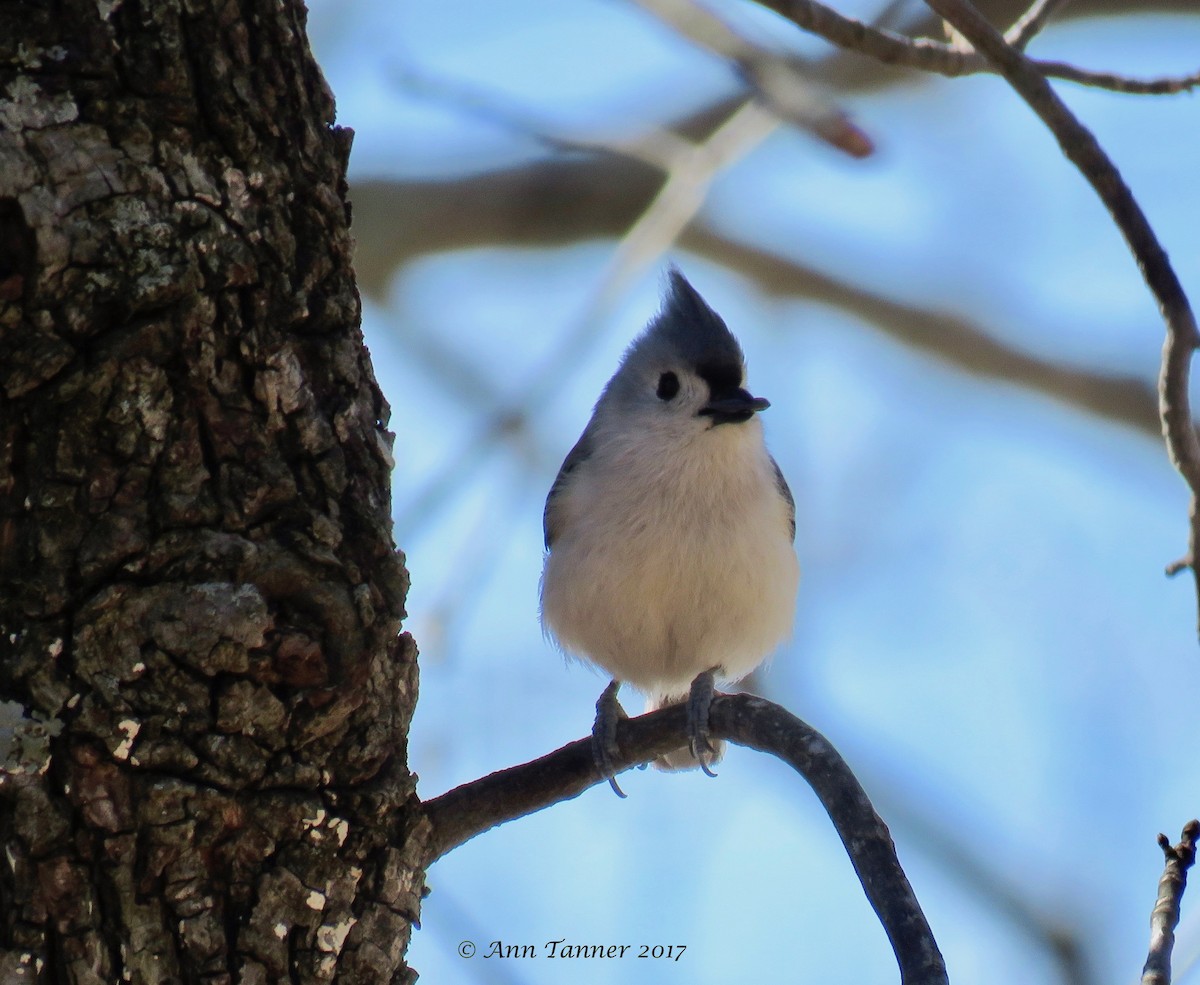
(780, 80)
(1165, 916)
(947, 59)
(468, 810)
(689, 176)
(950, 338)
(964, 860)
(548, 202)
(964, 848)
(1082, 149)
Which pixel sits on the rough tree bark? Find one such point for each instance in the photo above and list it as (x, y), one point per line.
(204, 699)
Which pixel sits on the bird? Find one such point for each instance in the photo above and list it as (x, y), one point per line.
(669, 531)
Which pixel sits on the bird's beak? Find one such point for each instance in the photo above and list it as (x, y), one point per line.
(734, 407)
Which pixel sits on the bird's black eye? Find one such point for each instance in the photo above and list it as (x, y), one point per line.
(668, 386)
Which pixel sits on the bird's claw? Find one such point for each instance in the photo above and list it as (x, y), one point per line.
(699, 701)
(604, 734)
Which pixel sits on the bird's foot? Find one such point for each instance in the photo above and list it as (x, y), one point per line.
(604, 734)
(700, 698)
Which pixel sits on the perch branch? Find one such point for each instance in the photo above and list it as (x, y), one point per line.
(1082, 149)
(468, 810)
(947, 59)
(1164, 918)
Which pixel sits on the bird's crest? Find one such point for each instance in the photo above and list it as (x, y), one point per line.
(687, 327)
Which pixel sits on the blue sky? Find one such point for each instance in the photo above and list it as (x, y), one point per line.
(983, 627)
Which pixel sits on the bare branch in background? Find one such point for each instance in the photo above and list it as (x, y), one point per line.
(689, 177)
(544, 203)
(468, 810)
(780, 79)
(950, 338)
(1165, 916)
(1082, 149)
(948, 59)
(961, 843)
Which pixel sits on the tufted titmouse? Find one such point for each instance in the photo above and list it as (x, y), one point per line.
(669, 529)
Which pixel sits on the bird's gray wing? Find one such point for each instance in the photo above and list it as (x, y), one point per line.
(784, 490)
(551, 522)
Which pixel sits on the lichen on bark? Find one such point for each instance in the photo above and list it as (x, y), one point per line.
(204, 693)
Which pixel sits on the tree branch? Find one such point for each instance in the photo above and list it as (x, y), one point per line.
(1082, 149)
(1164, 918)
(468, 810)
(947, 59)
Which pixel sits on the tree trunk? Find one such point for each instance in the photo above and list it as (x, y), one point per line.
(204, 701)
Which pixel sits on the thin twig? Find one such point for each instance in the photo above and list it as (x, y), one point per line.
(1117, 83)
(1164, 918)
(947, 59)
(1082, 149)
(1031, 22)
(468, 810)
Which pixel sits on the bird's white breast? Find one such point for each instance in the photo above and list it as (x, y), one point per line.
(667, 566)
